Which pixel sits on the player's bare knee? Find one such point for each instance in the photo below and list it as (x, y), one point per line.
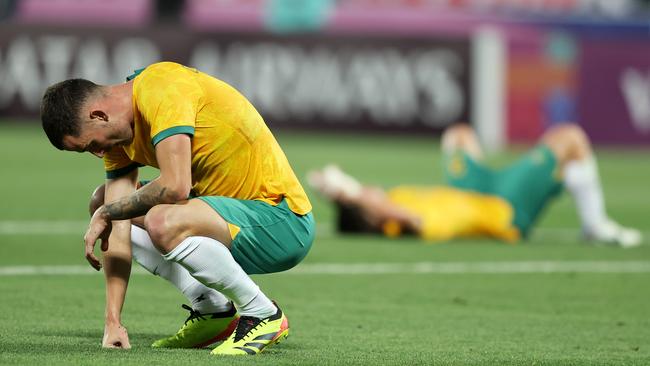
(567, 130)
(168, 226)
(456, 133)
(159, 226)
(576, 133)
(461, 137)
(460, 127)
(96, 199)
(568, 141)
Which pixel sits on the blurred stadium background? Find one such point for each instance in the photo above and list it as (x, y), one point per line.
(368, 84)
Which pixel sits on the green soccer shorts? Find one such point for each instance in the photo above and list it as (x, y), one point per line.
(528, 184)
(267, 238)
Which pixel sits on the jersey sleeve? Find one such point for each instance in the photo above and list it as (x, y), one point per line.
(168, 97)
(117, 163)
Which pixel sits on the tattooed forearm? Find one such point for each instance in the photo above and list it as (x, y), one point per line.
(138, 203)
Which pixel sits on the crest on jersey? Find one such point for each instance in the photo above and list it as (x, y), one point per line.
(456, 166)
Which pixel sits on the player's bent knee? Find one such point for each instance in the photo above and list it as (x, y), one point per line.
(566, 131)
(568, 135)
(159, 227)
(577, 133)
(456, 134)
(568, 141)
(460, 128)
(96, 199)
(461, 137)
(169, 225)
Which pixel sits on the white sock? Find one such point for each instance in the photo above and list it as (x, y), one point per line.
(202, 298)
(211, 262)
(582, 181)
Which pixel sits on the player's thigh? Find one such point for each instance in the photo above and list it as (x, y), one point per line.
(265, 238)
(202, 220)
(169, 224)
(528, 184)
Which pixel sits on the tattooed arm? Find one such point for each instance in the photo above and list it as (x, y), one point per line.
(138, 203)
(173, 185)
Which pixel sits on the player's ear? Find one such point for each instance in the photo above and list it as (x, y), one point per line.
(97, 115)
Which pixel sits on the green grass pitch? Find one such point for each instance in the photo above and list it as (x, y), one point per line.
(400, 318)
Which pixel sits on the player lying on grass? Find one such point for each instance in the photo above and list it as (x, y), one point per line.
(480, 201)
(249, 213)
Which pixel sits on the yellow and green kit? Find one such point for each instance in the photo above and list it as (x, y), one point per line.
(238, 167)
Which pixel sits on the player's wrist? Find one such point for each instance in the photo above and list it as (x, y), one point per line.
(112, 320)
(103, 213)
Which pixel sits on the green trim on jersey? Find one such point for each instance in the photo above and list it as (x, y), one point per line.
(176, 130)
(112, 174)
(135, 74)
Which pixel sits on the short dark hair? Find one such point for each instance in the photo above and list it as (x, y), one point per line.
(61, 108)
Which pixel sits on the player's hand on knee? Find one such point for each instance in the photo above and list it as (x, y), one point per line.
(115, 336)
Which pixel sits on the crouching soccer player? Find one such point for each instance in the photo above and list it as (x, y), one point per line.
(480, 201)
(249, 213)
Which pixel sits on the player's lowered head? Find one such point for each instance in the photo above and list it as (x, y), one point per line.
(79, 115)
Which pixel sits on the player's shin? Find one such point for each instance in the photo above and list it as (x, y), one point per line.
(202, 298)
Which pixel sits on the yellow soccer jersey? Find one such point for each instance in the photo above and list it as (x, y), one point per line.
(448, 213)
(234, 153)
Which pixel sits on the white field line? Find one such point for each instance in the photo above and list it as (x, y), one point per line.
(475, 267)
(532, 267)
(43, 227)
(72, 227)
(78, 227)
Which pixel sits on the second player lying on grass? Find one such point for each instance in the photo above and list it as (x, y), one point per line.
(479, 201)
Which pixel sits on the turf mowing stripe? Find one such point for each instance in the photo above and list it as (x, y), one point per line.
(323, 230)
(37, 227)
(393, 268)
(55, 270)
(72, 227)
(43, 227)
(474, 267)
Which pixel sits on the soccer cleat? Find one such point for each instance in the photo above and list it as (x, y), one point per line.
(612, 233)
(253, 335)
(201, 330)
